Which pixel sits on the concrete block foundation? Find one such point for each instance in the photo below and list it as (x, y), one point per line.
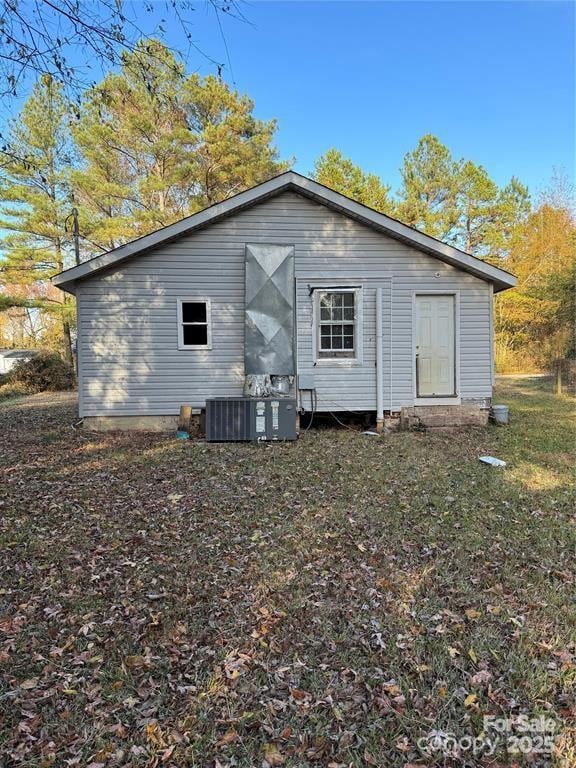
(137, 423)
(443, 416)
(414, 417)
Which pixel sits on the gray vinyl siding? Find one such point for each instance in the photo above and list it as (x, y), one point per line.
(130, 363)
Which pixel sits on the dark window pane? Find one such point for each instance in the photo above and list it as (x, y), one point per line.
(348, 299)
(337, 314)
(325, 342)
(338, 299)
(324, 330)
(337, 330)
(348, 342)
(194, 311)
(348, 313)
(195, 335)
(337, 342)
(324, 313)
(348, 330)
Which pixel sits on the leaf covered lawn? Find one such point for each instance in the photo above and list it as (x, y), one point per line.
(322, 603)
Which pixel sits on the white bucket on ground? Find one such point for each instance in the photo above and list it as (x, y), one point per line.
(500, 414)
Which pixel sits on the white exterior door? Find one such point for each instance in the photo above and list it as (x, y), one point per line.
(435, 358)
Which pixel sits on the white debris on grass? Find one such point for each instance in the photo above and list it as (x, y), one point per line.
(492, 461)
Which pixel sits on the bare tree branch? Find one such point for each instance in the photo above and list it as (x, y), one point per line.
(42, 37)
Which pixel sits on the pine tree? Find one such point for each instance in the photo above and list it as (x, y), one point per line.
(476, 204)
(341, 174)
(229, 149)
(130, 136)
(34, 202)
(157, 145)
(512, 208)
(429, 189)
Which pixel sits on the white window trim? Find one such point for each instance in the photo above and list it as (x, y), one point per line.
(358, 322)
(448, 400)
(184, 300)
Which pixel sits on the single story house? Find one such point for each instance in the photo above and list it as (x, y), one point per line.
(9, 357)
(361, 312)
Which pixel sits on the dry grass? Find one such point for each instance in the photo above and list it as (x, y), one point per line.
(325, 603)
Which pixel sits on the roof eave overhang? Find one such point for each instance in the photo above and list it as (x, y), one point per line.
(500, 279)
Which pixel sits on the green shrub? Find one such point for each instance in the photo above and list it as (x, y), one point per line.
(47, 372)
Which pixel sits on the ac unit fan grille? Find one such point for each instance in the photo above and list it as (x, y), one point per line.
(228, 420)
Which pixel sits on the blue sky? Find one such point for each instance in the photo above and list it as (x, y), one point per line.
(493, 80)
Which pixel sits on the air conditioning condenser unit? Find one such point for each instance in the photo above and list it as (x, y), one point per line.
(236, 419)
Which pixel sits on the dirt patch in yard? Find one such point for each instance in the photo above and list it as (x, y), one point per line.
(333, 601)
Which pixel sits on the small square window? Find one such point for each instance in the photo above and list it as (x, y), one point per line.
(194, 324)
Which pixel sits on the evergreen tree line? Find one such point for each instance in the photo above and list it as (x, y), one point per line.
(151, 144)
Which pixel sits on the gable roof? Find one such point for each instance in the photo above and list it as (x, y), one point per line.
(304, 186)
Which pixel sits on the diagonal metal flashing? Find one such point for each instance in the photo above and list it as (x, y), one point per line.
(269, 317)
